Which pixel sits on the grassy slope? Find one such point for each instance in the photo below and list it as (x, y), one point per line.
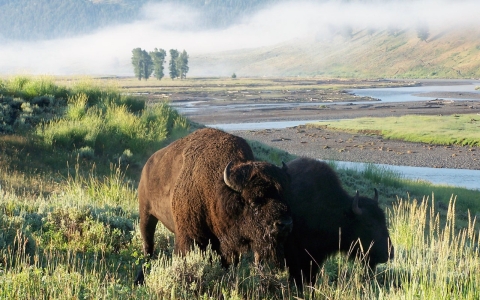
(445, 54)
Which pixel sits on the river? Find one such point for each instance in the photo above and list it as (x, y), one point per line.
(469, 179)
(459, 90)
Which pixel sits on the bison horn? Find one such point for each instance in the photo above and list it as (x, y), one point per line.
(284, 166)
(226, 179)
(375, 198)
(355, 208)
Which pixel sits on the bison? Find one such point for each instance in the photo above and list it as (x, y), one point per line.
(328, 220)
(207, 188)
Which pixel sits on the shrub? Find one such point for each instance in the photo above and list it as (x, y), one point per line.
(85, 153)
(195, 274)
(18, 114)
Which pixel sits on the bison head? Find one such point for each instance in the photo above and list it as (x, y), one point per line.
(367, 231)
(256, 199)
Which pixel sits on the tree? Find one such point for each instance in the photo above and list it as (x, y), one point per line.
(422, 32)
(137, 62)
(147, 65)
(142, 63)
(173, 63)
(158, 58)
(182, 65)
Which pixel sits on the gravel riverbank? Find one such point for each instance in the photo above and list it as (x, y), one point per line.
(326, 144)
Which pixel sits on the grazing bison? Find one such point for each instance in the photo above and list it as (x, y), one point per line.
(207, 188)
(328, 220)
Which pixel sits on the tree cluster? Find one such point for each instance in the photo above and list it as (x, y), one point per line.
(145, 63)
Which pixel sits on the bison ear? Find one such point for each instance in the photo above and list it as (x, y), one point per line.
(375, 198)
(356, 210)
(226, 178)
(284, 166)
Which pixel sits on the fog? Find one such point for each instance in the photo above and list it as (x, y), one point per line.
(167, 26)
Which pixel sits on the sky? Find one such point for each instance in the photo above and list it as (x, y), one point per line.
(108, 51)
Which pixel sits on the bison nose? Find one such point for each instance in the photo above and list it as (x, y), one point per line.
(284, 225)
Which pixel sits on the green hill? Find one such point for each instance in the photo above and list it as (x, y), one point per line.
(402, 54)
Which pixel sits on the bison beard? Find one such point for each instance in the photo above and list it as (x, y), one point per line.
(320, 207)
(207, 188)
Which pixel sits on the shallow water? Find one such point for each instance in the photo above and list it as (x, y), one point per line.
(469, 179)
(397, 94)
(259, 125)
(420, 93)
(454, 177)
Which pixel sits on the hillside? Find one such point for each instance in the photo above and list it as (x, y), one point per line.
(50, 19)
(358, 38)
(445, 54)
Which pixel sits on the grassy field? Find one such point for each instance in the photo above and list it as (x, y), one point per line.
(69, 166)
(441, 130)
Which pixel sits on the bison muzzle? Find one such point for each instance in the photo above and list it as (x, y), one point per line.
(207, 188)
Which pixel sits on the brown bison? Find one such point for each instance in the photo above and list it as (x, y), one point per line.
(207, 188)
(327, 220)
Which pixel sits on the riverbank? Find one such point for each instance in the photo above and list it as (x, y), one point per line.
(326, 144)
(282, 106)
(323, 143)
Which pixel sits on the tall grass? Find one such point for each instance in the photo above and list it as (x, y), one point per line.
(29, 87)
(111, 131)
(83, 242)
(94, 118)
(432, 261)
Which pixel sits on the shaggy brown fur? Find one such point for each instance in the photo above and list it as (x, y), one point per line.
(183, 186)
(327, 220)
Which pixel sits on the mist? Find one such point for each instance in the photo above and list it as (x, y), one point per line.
(169, 26)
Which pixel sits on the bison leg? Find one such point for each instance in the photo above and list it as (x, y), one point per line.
(147, 229)
(148, 224)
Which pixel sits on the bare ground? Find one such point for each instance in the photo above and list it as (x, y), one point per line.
(327, 144)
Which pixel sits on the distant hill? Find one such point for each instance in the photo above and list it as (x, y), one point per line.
(445, 54)
(49, 19)
(346, 51)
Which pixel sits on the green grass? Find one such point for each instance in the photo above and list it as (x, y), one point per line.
(69, 220)
(83, 242)
(461, 129)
